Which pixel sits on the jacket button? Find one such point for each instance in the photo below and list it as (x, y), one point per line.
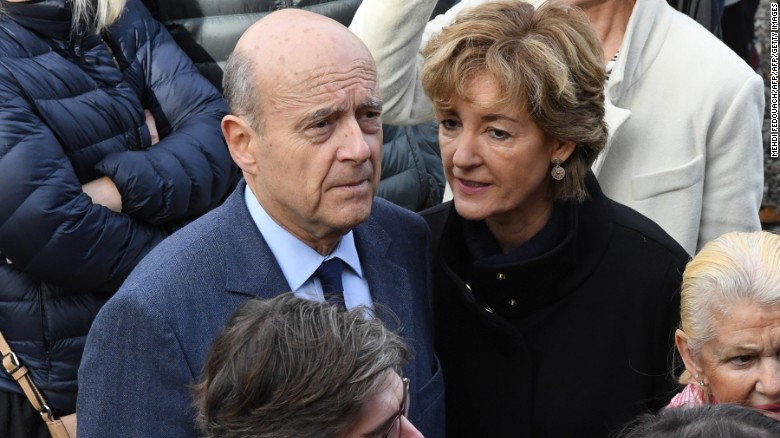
(512, 303)
(489, 310)
(500, 276)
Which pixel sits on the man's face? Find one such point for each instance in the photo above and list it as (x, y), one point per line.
(318, 146)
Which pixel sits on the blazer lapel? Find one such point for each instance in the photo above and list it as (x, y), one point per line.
(388, 280)
(251, 266)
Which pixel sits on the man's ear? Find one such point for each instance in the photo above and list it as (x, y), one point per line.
(241, 141)
(681, 341)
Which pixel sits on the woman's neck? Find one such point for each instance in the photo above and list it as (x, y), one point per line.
(610, 19)
(512, 231)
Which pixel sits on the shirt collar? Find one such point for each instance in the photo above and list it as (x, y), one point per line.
(297, 260)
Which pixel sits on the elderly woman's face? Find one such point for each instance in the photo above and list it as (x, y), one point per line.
(741, 364)
(496, 159)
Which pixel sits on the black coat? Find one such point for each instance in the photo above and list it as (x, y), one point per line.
(572, 343)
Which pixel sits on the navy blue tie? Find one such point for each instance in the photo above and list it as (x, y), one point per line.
(329, 274)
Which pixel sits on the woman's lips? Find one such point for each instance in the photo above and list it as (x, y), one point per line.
(771, 407)
(471, 187)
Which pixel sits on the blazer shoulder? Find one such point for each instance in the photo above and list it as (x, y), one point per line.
(392, 215)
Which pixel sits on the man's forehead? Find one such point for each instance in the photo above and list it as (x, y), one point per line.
(323, 83)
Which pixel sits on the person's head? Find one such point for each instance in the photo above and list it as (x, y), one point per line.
(723, 420)
(304, 123)
(729, 336)
(289, 367)
(98, 13)
(516, 90)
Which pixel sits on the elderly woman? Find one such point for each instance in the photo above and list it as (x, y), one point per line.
(729, 338)
(555, 306)
(290, 367)
(109, 141)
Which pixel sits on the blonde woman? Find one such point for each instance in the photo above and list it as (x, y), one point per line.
(729, 338)
(109, 141)
(550, 299)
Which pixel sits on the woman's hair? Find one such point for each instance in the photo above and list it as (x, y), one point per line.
(97, 13)
(707, 421)
(548, 61)
(737, 266)
(289, 367)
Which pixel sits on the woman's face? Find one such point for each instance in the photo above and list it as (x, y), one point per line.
(496, 158)
(741, 364)
(379, 414)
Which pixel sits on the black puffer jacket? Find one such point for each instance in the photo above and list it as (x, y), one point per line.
(207, 30)
(72, 110)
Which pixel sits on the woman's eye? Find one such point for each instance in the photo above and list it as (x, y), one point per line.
(741, 360)
(449, 124)
(498, 134)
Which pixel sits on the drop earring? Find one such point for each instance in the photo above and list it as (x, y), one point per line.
(558, 173)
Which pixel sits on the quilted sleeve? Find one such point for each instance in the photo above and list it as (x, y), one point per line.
(190, 170)
(49, 228)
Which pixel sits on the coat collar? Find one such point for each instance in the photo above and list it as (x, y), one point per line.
(541, 278)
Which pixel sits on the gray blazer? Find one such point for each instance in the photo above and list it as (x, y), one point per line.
(148, 344)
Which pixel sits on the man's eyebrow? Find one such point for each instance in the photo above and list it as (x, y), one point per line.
(319, 114)
(372, 103)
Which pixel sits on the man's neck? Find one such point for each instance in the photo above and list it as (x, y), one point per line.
(610, 19)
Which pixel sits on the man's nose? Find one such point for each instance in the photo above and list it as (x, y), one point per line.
(354, 143)
(408, 430)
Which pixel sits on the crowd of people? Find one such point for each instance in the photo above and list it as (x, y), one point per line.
(247, 233)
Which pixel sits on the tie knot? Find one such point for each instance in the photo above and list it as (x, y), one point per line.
(329, 274)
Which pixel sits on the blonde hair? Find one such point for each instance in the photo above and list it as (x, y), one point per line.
(548, 61)
(100, 13)
(735, 267)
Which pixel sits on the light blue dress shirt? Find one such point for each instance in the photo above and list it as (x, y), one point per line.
(299, 261)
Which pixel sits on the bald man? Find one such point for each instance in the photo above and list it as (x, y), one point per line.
(305, 129)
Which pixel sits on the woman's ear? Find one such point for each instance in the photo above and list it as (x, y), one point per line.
(562, 150)
(681, 341)
(240, 138)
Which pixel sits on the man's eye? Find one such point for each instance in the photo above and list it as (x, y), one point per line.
(321, 124)
(372, 114)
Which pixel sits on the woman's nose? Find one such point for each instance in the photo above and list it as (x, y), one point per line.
(769, 380)
(466, 150)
